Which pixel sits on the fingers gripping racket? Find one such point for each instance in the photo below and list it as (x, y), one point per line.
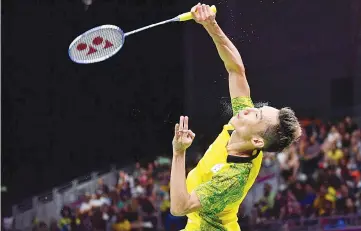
(102, 42)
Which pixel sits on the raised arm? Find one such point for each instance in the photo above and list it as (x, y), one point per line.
(238, 85)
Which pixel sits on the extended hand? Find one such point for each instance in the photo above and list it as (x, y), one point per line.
(183, 137)
(203, 14)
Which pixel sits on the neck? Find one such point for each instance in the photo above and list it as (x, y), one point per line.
(238, 147)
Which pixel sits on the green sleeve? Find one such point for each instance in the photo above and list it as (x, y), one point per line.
(226, 187)
(240, 103)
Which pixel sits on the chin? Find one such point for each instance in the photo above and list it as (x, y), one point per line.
(231, 121)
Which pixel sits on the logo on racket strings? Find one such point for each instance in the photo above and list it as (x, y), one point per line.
(92, 48)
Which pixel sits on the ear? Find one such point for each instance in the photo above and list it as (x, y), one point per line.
(257, 142)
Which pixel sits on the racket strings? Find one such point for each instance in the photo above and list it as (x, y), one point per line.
(97, 44)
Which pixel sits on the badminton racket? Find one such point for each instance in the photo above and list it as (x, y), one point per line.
(102, 42)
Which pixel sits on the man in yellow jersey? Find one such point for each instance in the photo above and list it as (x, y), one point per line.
(214, 189)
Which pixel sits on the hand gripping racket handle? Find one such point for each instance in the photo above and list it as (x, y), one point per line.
(188, 16)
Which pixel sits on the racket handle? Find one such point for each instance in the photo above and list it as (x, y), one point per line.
(188, 16)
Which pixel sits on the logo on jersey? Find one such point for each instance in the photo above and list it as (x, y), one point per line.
(216, 168)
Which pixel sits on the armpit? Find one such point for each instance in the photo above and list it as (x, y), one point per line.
(240, 103)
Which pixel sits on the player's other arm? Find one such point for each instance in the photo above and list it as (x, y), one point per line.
(238, 85)
(181, 202)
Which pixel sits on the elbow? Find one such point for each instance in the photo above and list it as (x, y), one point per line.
(176, 212)
(238, 69)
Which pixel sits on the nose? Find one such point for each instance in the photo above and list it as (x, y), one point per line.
(247, 111)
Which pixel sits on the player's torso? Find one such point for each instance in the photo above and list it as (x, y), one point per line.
(212, 162)
(203, 221)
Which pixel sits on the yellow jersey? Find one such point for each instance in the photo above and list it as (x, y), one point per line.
(335, 155)
(221, 182)
(122, 226)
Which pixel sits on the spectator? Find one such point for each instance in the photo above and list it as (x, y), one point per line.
(122, 224)
(324, 202)
(358, 203)
(147, 212)
(293, 208)
(265, 204)
(41, 226)
(122, 179)
(99, 222)
(102, 188)
(85, 206)
(125, 191)
(344, 201)
(334, 155)
(321, 137)
(308, 200)
(277, 211)
(350, 125)
(53, 226)
(150, 189)
(310, 154)
(150, 170)
(164, 206)
(346, 140)
(331, 178)
(291, 165)
(298, 190)
(334, 136)
(137, 171)
(344, 171)
(66, 219)
(243, 219)
(95, 200)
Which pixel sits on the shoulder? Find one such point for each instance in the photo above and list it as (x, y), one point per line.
(237, 173)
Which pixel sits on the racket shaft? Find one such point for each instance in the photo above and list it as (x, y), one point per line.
(150, 26)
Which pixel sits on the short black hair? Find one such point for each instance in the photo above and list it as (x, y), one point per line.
(280, 136)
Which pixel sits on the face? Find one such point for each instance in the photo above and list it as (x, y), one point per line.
(308, 188)
(333, 129)
(333, 146)
(349, 203)
(348, 120)
(313, 139)
(293, 148)
(267, 189)
(251, 122)
(344, 190)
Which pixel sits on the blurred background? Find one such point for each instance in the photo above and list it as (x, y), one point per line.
(88, 147)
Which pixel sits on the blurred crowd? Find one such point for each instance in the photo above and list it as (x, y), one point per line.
(320, 177)
(138, 201)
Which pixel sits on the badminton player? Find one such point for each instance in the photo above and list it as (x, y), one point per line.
(214, 189)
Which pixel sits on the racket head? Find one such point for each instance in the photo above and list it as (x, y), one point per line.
(96, 45)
